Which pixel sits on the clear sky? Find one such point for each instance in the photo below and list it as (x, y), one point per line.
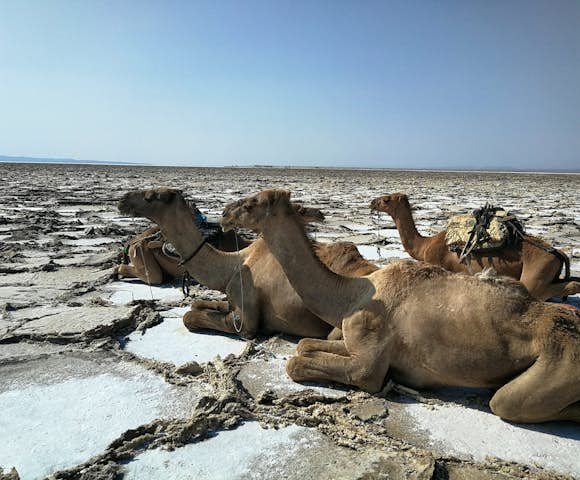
(418, 84)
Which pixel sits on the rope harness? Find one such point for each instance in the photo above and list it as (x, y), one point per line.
(237, 318)
(511, 229)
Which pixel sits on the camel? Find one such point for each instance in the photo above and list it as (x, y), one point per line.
(533, 261)
(424, 326)
(149, 263)
(260, 298)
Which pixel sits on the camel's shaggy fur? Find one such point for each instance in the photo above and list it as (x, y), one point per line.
(423, 326)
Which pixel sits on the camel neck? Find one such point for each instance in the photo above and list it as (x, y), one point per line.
(412, 240)
(324, 293)
(209, 266)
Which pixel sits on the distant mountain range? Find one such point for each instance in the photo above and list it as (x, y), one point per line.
(7, 159)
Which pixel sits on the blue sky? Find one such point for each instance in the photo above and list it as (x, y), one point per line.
(418, 84)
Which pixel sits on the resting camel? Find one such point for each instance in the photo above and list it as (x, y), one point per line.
(148, 262)
(260, 298)
(530, 261)
(424, 326)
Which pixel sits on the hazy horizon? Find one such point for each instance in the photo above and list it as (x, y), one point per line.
(73, 161)
(372, 84)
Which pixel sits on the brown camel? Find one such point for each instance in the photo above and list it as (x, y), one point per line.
(148, 262)
(424, 326)
(260, 298)
(530, 261)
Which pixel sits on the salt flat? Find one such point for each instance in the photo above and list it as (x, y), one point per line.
(92, 384)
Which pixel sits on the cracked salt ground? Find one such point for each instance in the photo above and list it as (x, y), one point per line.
(370, 252)
(253, 385)
(171, 342)
(125, 292)
(60, 411)
(475, 434)
(252, 452)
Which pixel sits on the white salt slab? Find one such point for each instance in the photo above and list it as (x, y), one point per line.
(370, 252)
(474, 434)
(536, 230)
(355, 227)
(123, 293)
(387, 232)
(51, 427)
(89, 242)
(228, 455)
(171, 342)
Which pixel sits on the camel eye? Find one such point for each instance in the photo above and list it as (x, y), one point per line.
(247, 208)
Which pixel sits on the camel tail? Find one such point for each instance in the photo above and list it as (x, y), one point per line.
(566, 264)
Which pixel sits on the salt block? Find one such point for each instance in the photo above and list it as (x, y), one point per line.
(476, 433)
(60, 411)
(123, 293)
(171, 342)
(250, 451)
(70, 322)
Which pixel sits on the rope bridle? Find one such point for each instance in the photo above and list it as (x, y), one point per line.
(236, 317)
(195, 252)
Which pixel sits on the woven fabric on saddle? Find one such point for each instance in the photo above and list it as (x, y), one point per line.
(459, 230)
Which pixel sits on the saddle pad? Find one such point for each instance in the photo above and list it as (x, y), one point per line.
(459, 229)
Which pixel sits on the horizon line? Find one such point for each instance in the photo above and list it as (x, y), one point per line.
(72, 161)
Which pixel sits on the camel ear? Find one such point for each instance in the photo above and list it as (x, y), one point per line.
(167, 195)
(149, 195)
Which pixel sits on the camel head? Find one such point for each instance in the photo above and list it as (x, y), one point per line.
(390, 203)
(251, 212)
(153, 204)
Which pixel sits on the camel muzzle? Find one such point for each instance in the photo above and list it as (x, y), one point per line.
(124, 206)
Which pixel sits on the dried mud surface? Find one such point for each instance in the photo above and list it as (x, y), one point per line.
(61, 234)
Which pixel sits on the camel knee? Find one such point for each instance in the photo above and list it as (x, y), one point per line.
(367, 379)
(516, 410)
(504, 408)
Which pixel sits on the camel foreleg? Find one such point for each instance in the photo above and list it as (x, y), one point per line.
(209, 315)
(359, 360)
